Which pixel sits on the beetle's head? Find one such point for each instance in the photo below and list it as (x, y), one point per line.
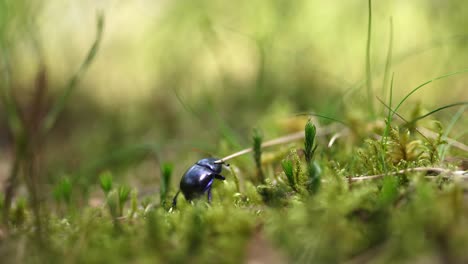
(210, 164)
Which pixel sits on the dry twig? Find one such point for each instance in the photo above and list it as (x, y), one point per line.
(449, 173)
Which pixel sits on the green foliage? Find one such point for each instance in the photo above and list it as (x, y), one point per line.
(274, 195)
(315, 173)
(313, 169)
(309, 142)
(166, 173)
(124, 196)
(63, 190)
(288, 171)
(292, 168)
(389, 191)
(19, 214)
(153, 228)
(401, 149)
(105, 180)
(235, 177)
(257, 139)
(370, 91)
(433, 146)
(133, 203)
(113, 203)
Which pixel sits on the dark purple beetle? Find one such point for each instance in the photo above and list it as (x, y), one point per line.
(198, 179)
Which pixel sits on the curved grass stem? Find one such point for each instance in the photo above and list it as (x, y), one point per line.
(59, 105)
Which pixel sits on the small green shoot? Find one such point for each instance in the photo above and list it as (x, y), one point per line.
(235, 177)
(153, 228)
(309, 142)
(112, 200)
(388, 61)
(387, 126)
(63, 190)
(124, 195)
(289, 172)
(309, 151)
(133, 203)
(105, 179)
(166, 173)
(389, 191)
(370, 96)
(293, 170)
(257, 148)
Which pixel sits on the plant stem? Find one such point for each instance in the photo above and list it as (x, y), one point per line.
(11, 184)
(59, 105)
(388, 62)
(277, 141)
(421, 169)
(368, 63)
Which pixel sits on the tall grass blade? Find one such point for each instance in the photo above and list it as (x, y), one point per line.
(257, 148)
(426, 83)
(370, 96)
(444, 148)
(388, 61)
(437, 110)
(60, 103)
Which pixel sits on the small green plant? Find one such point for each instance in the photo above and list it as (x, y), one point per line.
(63, 190)
(257, 153)
(153, 228)
(105, 180)
(124, 196)
(112, 200)
(292, 168)
(166, 173)
(134, 203)
(309, 143)
(289, 172)
(389, 192)
(313, 170)
(18, 217)
(116, 198)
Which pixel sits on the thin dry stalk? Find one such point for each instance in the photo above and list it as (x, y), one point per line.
(277, 141)
(449, 173)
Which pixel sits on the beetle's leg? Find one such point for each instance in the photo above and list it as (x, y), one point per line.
(174, 200)
(219, 177)
(209, 195)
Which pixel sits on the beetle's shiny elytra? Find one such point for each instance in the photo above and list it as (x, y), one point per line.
(198, 179)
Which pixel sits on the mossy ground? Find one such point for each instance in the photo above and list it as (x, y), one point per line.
(396, 219)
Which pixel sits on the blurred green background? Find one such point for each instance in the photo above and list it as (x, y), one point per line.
(179, 80)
